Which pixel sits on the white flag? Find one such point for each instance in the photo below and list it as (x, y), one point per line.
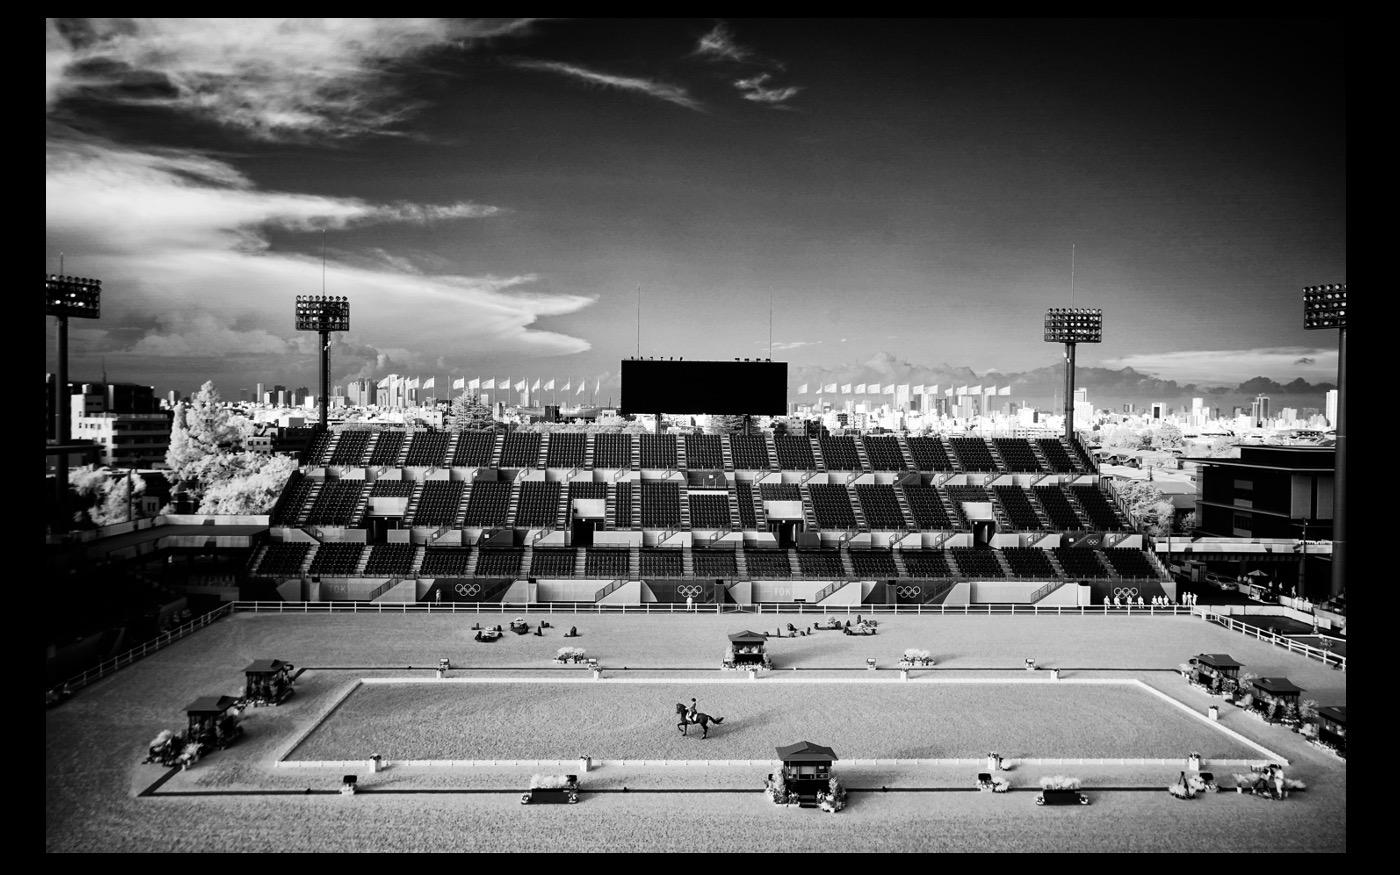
(489, 384)
(887, 390)
(933, 390)
(474, 384)
(949, 392)
(961, 390)
(919, 389)
(520, 386)
(411, 384)
(549, 387)
(860, 388)
(430, 383)
(1004, 391)
(845, 388)
(459, 383)
(384, 383)
(975, 390)
(566, 387)
(829, 387)
(802, 390)
(581, 384)
(536, 387)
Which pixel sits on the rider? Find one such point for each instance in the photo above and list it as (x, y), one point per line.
(690, 715)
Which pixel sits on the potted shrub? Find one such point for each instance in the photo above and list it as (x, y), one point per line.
(1290, 716)
(909, 659)
(777, 788)
(1307, 715)
(833, 799)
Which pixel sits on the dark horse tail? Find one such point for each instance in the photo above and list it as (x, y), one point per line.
(718, 720)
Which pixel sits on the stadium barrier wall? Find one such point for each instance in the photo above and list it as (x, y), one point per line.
(1326, 657)
(161, 641)
(505, 607)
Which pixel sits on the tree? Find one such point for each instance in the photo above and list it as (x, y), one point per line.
(722, 424)
(1166, 436)
(253, 492)
(469, 414)
(200, 430)
(1149, 509)
(118, 503)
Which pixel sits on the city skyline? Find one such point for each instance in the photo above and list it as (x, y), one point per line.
(491, 195)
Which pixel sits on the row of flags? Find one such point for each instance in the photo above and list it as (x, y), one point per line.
(902, 388)
(502, 384)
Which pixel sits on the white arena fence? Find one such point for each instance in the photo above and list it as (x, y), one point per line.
(1326, 657)
(161, 641)
(347, 607)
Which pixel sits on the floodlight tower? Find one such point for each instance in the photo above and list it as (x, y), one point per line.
(64, 297)
(323, 314)
(1071, 326)
(1325, 307)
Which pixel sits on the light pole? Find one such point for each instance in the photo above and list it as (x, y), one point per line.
(80, 298)
(323, 314)
(1072, 326)
(1325, 307)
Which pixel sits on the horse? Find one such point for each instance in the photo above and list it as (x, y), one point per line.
(702, 720)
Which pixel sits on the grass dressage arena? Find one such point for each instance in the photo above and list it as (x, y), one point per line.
(860, 718)
(905, 748)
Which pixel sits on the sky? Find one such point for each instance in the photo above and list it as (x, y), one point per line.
(496, 196)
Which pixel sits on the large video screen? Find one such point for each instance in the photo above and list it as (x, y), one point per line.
(731, 388)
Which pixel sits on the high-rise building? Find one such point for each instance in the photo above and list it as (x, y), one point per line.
(260, 394)
(1332, 407)
(1159, 410)
(1259, 410)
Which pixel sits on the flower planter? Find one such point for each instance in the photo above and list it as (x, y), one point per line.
(1061, 797)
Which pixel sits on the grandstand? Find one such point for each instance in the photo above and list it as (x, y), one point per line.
(426, 505)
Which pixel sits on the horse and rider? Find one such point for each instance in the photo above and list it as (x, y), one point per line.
(693, 716)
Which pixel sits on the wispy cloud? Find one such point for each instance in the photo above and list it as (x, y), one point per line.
(182, 243)
(650, 87)
(755, 88)
(274, 78)
(794, 344)
(719, 43)
(1233, 366)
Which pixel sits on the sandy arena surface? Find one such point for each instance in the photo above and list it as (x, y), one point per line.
(94, 743)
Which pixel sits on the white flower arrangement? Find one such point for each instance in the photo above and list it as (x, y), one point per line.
(1059, 782)
(550, 782)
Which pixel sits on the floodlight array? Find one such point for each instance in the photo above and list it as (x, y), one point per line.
(75, 296)
(1325, 306)
(1073, 325)
(323, 313)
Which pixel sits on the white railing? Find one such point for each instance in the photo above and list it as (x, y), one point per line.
(1326, 657)
(676, 608)
(165, 639)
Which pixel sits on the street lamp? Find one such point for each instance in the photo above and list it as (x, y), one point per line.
(64, 297)
(1325, 308)
(323, 314)
(1071, 326)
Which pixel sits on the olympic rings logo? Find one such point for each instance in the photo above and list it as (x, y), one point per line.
(689, 591)
(908, 592)
(1126, 592)
(466, 589)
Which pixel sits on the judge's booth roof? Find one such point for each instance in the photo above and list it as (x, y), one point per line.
(806, 752)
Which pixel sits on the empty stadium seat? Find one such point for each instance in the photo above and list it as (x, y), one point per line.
(1054, 452)
(550, 561)
(387, 448)
(832, 505)
(1017, 454)
(317, 452)
(821, 563)
(709, 510)
(566, 449)
(661, 504)
(350, 449)
(662, 563)
(336, 559)
(474, 449)
(658, 450)
(883, 453)
(929, 454)
(1129, 562)
(294, 498)
(1018, 507)
(437, 505)
(445, 562)
(390, 560)
(750, 452)
(881, 506)
(283, 559)
(539, 503)
(714, 563)
(392, 488)
(491, 562)
(604, 562)
(1029, 562)
(779, 492)
(488, 503)
(1063, 517)
(977, 562)
(612, 451)
(926, 563)
(794, 453)
(839, 453)
(1103, 516)
(972, 452)
(427, 449)
(622, 506)
(743, 491)
(336, 504)
(521, 449)
(703, 452)
(764, 564)
(873, 563)
(926, 504)
(1080, 562)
